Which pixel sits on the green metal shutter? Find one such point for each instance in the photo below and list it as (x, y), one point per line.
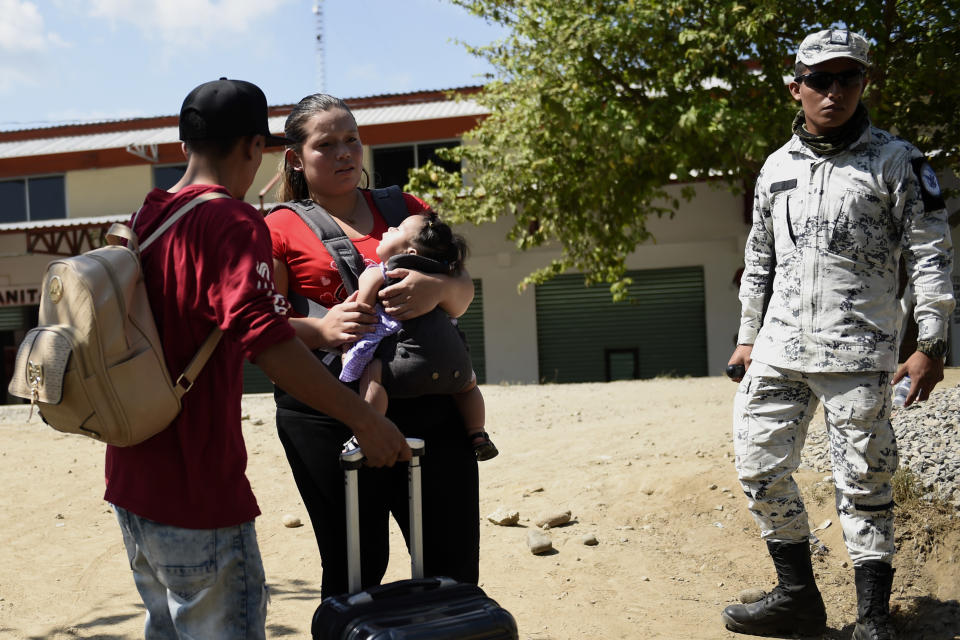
(13, 318)
(582, 336)
(471, 323)
(255, 380)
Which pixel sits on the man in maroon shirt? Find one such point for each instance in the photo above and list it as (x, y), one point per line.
(182, 498)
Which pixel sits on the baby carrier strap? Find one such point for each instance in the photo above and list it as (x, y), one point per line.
(350, 264)
(344, 253)
(416, 262)
(388, 200)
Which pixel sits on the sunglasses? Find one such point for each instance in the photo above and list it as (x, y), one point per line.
(823, 80)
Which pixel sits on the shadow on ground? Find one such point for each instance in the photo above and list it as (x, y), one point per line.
(923, 618)
(290, 590)
(926, 618)
(91, 629)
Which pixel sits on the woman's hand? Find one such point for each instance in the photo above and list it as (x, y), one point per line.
(417, 293)
(345, 323)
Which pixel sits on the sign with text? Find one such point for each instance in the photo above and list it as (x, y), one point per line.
(19, 296)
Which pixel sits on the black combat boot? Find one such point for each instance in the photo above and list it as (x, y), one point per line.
(793, 608)
(874, 580)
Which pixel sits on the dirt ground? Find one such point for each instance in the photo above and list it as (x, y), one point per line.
(644, 466)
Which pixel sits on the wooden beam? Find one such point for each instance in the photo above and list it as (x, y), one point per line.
(66, 242)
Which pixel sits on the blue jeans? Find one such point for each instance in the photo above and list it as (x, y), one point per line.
(196, 583)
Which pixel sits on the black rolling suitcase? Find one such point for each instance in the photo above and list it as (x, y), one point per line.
(419, 608)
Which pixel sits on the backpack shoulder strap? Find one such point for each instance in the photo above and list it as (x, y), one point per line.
(185, 380)
(349, 261)
(390, 202)
(179, 213)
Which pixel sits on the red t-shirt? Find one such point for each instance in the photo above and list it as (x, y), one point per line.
(212, 268)
(311, 269)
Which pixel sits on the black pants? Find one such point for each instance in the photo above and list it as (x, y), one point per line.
(451, 517)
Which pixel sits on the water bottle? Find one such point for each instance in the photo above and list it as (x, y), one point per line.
(900, 392)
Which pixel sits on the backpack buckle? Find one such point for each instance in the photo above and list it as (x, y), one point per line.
(34, 374)
(184, 382)
(35, 379)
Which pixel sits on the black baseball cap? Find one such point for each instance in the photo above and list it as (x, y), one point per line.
(226, 109)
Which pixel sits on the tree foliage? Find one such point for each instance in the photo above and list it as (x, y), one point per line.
(597, 105)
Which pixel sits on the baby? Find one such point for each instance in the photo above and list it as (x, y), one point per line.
(426, 355)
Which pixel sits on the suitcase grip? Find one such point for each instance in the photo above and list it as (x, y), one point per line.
(387, 591)
(351, 459)
(352, 455)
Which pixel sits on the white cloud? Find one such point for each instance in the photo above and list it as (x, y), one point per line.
(22, 28)
(24, 40)
(177, 22)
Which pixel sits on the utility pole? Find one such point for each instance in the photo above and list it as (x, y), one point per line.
(321, 71)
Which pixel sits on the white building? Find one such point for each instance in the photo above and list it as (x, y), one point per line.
(61, 187)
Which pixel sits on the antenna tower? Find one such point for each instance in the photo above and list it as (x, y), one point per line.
(318, 18)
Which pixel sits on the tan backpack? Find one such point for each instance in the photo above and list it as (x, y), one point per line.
(95, 364)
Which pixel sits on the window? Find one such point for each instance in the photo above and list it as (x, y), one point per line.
(166, 177)
(13, 200)
(27, 199)
(429, 152)
(391, 164)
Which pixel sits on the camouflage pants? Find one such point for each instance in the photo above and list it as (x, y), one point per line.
(771, 413)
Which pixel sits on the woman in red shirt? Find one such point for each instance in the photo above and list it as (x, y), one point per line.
(325, 166)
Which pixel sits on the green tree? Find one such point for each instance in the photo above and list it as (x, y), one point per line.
(597, 105)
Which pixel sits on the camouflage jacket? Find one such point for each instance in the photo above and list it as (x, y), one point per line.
(830, 232)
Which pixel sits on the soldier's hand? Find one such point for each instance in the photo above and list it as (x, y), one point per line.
(739, 362)
(925, 372)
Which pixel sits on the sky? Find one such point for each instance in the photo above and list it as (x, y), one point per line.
(90, 60)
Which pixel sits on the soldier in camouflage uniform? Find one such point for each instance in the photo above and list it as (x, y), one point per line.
(834, 209)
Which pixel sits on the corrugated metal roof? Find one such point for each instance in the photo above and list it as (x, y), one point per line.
(34, 225)
(92, 142)
(356, 102)
(162, 135)
(421, 111)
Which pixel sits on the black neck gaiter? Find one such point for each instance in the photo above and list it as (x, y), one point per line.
(837, 141)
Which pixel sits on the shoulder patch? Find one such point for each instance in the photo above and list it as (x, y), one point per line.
(929, 185)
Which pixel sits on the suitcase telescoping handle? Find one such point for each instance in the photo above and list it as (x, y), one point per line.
(351, 459)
